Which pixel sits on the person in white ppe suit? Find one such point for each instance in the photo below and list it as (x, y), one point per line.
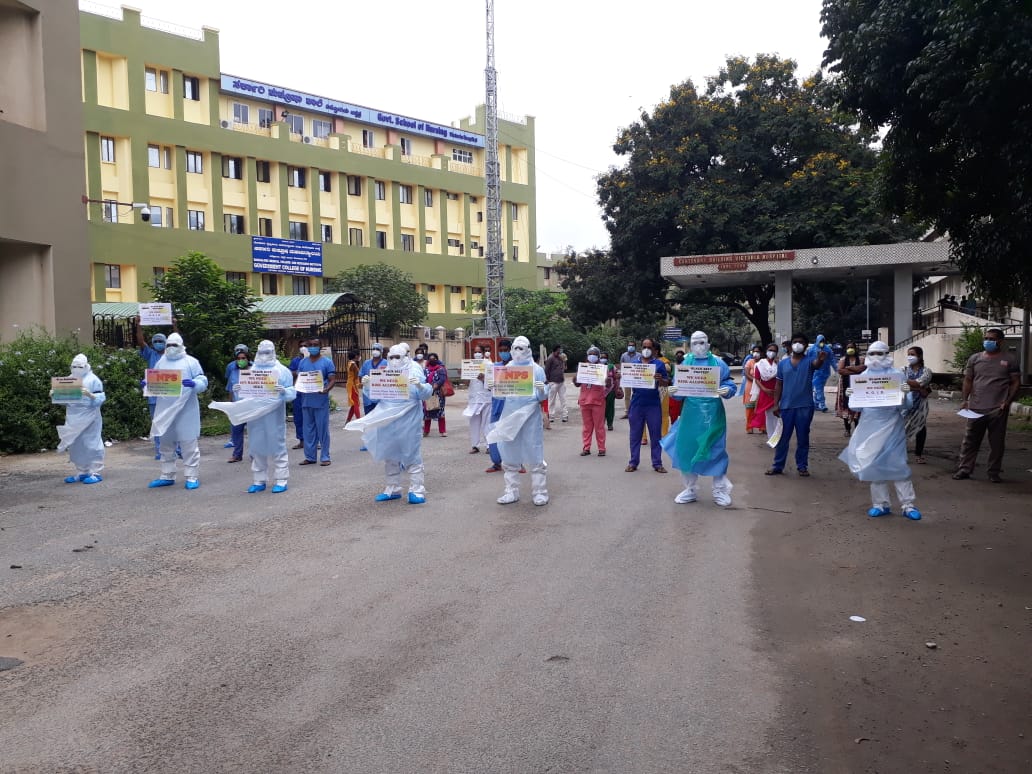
(519, 431)
(266, 420)
(877, 450)
(81, 432)
(393, 433)
(697, 443)
(178, 419)
(478, 405)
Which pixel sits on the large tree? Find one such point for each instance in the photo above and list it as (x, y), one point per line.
(952, 81)
(758, 161)
(387, 289)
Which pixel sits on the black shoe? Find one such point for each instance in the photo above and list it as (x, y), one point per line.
(995, 478)
(960, 475)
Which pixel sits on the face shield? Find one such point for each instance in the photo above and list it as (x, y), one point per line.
(174, 348)
(266, 355)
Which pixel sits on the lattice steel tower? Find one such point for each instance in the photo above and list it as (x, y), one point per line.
(495, 322)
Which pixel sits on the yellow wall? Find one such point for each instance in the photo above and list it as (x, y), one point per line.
(112, 81)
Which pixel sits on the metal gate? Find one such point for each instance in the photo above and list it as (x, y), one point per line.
(353, 326)
(114, 331)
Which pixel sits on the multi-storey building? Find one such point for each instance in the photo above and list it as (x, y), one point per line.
(281, 187)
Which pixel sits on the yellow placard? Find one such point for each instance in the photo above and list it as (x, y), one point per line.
(164, 383)
(512, 381)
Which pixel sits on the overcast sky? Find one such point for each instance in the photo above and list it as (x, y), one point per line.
(582, 69)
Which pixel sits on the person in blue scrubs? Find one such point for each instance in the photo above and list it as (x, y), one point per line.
(793, 396)
(240, 362)
(646, 411)
(497, 404)
(317, 405)
(376, 363)
(299, 401)
(821, 374)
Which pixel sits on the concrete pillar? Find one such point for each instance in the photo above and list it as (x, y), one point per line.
(782, 306)
(902, 304)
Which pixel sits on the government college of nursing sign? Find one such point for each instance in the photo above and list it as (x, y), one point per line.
(734, 261)
(364, 115)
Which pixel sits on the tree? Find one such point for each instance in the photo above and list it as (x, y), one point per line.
(387, 289)
(213, 315)
(759, 161)
(952, 81)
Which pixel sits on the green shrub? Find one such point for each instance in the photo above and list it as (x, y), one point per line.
(969, 343)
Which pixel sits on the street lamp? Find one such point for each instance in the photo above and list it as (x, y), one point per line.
(143, 207)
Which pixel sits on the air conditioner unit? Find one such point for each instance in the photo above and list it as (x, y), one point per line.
(224, 124)
(306, 139)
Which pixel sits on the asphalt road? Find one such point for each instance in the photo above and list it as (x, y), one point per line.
(317, 631)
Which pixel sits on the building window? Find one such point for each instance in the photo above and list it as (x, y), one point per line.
(480, 252)
(408, 243)
(321, 128)
(368, 138)
(462, 156)
(355, 237)
(157, 80)
(429, 240)
(381, 190)
(154, 156)
(381, 240)
(265, 118)
(428, 197)
(158, 274)
(473, 200)
(265, 226)
(296, 124)
(457, 243)
(233, 167)
(406, 146)
(241, 113)
(112, 276)
(296, 177)
(236, 276)
(169, 222)
(110, 211)
(515, 252)
(234, 224)
(480, 217)
(354, 185)
(107, 149)
(325, 181)
(455, 289)
(302, 286)
(326, 232)
(263, 171)
(195, 162)
(405, 193)
(297, 230)
(155, 216)
(192, 88)
(269, 284)
(514, 210)
(195, 220)
(453, 197)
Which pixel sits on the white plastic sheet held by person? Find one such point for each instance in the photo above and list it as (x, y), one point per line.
(393, 433)
(877, 450)
(697, 443)
(178, 419)
(81, 432)
(266, 420)
(519, 432)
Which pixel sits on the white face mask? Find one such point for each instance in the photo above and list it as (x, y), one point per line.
(878, 360)
(700, 348)
(303, 351)
(265, 357)
(646, 352)
(912, 359)
(478, 355)
(604, 360)
(798, 348)
(174, 352)
(377, 353)
(772, 354)
(419, 356)
(79, 371)
(592, 358)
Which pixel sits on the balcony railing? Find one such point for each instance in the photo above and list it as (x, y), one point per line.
(466, 169)
(261, 131)
(419, 161)
(376, 153)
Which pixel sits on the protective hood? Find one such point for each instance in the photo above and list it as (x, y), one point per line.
(80, 366)
(520, 350)
(398, 357)
(266, 355)
(174, 349)
(700, 345)
(878, 357)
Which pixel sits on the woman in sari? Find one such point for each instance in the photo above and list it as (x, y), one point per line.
(750, 390)
(765, 377)
(851, 364)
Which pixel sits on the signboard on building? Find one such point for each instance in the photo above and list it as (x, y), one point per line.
(286, 256)
(734, 261)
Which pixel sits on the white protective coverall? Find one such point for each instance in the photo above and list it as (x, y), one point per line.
(179, 419)
(478, 408)
(81, 432)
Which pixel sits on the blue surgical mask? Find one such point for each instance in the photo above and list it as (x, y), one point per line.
(604, 360)
(505, 356)
(630, 348)
(158, 345)
(990, 345)
(592, 358)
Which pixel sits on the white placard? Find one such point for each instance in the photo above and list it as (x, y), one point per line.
(638, 376)
(155, 314)
(471, 369)
(257, 384)
(389, 385)
(592, 373)
(309, 381)
(870, 391)
(694, 381)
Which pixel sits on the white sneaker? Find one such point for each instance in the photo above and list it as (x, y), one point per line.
(722, 499)
(510, 496)
(687, 496)
(540, 499)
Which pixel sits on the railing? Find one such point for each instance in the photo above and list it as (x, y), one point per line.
(263, 131)
(322, 142)
(419, 161)
(173, 29)
(376, 153)
(1014, 326)
(512, 118)
(466, 169)
(100, 10)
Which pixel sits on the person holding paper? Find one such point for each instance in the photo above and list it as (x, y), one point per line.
(240, 362)
(850, 365)
(697, 444)
(177, 419)
(765, 380)
(436, 377)
(646, 412)
(519, 433)
(392, 432)
(81, 434)
(877, 450)
(628, 356)
(297, 407)
(592, 402)
(478, 404)
(316, 407)
(820, 374)
(794, 396)
(374, 363)
(151, 354)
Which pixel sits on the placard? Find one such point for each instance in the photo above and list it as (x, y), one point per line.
(257, 384)
(389, 385)
(592, 373)
(164, 383)
(511, 381)
(871, 391)
(694, 381)
(309, 381)
(155, 314)
(638, 376)
(65, 389)
(471, 369)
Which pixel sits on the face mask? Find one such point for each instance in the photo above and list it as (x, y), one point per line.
(376, 354)
(630, 348)
(878, 360)
(265, 358)
(990, 345)
(78, 370)
(772, 354)
(850, 351)
(478, 355)
(303, 351)
(419, 356)
(174, 352)
(798, 348)
(912, 359)
(646, 352)
(505, 356)
(241, 362)
(314, 351)
(592, 358)
(700, 349)
(604, 360)
(158, 345)
(432, 361)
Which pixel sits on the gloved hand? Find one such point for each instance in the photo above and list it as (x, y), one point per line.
(51, 393)
(188, 382)
(905, 388)
(672, 389)
(143, 384)
(236, 388)
(415, 381)
(280, 389)
(86, 393)
(849, 391)
(365, 380)
(539, 385)
(726, 392)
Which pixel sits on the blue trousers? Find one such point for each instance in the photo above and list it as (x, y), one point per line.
(641, 417)
(496, 456)
(317, 431)
(820, 378)
(299, 417)
(796, 421)
(236, 435)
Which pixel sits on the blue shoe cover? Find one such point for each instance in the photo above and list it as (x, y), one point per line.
(255, 488)
(227, 445)
(415, 499)
(363, 449)
(160, 482)
(279, 488)
(912, 513)
(73, 479)
(384, 497)
(192, 484)
(92, 480)
(876, 512)
(157, 455)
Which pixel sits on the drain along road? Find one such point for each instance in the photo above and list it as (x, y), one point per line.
(610, 631)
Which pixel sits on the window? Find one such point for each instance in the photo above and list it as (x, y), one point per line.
(297, 230)
(195, 220)
(265, 226)
(454, 197)
(241, 113)
(236, 276)
(405, 193)
(195, 162)
(263, 171)
(234, 224)
(192, 88)
(155, 217)
(157, 80)
(112, 276)
(381, 190)
(473, 200)
(457, 243)
(269, 284)
(368, 138)
(406, 146)
(462, 156)
(515, 252)
(326, 232)
(355, 237)
(354, 185)
(454, 289)
(110, 211)
(158, 157)
(480, 252)
(296, 177)
(429, 240)
(480, 217)
(169, 223)
(462, 305)
(381, 240)
(428, 197)
(548, 273)
(408, 243)
(233, 167)
(107, 149)
(325, 181)
(265, 118)
(296, 124)
(514, 210)
(301, 286)
(158, 273)
(321, 128)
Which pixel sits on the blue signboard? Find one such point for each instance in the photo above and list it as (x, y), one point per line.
(286, 256)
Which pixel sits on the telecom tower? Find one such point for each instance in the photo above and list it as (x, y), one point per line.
(495, 323)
